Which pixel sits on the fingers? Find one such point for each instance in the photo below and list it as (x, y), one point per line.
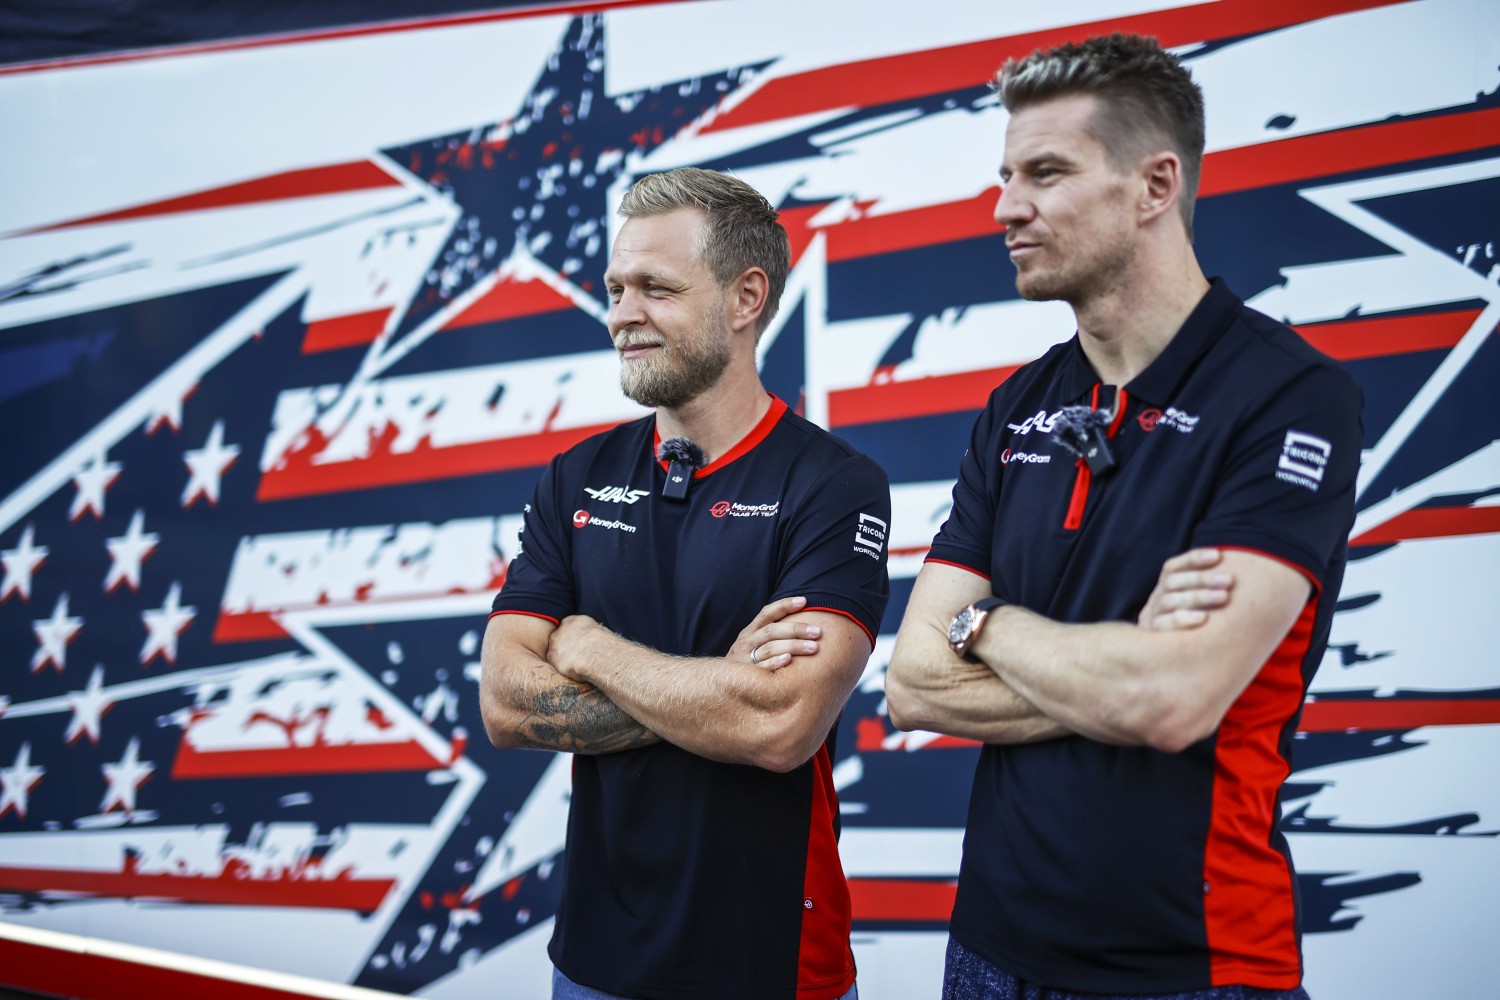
(779, 653)
(1192, 559)
(775, 611)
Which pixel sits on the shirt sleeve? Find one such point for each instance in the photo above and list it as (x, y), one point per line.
(838, 543)
(1287, 486)
(967, 536)
(539, 580)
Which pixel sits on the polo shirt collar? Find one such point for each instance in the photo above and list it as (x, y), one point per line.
(1158, 383)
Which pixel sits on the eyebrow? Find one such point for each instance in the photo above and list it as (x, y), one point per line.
(643, 277)
(1043, 158)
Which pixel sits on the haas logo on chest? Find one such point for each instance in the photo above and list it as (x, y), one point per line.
(615, 494)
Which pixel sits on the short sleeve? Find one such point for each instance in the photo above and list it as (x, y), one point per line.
(1287, 486)
(836, 551)
(966, 537)
(538, 580)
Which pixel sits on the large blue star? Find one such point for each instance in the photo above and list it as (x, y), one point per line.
(540, 180)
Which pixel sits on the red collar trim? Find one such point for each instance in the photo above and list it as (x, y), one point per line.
(756, 436)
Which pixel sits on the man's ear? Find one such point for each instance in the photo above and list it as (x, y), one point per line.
(749, 292)
(1161, 176)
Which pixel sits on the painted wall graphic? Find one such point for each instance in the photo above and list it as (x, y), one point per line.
(289, 325)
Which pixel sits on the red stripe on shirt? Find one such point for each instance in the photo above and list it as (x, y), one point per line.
(1249, 909)
(835, 611)
(528, 614)
(756, 436)
(825, 963)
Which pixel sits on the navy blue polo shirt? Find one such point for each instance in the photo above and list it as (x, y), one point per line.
(685, 877)
(1116, 869)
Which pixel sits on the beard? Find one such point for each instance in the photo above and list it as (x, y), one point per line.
(1077, 281)
(682, 369)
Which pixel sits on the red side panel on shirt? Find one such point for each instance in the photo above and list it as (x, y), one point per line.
(1248, 890)
(825, 963)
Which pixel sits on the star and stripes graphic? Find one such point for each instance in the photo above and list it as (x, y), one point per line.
(273, 431)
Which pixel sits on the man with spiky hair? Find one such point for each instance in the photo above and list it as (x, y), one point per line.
(702, 857)
(1123, 827)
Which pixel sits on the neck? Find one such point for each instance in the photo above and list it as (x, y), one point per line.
(720, 417)
(1127, 327)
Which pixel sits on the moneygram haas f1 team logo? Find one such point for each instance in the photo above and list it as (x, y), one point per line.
(727, 508)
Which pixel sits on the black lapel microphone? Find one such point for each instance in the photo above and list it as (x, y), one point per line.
(1084, 432)
(683, 458)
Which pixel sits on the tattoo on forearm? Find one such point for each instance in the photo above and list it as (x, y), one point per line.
(580, 721)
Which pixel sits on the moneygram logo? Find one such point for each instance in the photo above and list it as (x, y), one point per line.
(583, 519)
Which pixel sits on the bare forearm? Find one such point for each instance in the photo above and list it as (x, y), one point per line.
(929, 688)
(711, 706)
(578, 718)
(526, 703)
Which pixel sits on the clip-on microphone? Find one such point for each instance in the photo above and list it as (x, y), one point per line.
(1083, 431)
(683, 458)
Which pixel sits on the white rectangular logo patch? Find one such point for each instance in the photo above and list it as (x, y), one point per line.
(1304, 457)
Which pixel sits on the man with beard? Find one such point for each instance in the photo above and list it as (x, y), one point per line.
(696, 594)
(1123, 827)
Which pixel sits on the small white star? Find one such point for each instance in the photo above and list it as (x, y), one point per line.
(17, 781)
(19, 564)
(164, 625)
(206, 466)
(127, 552)
(125, 778)
(92, 480)
(89, 706)
(53, 635)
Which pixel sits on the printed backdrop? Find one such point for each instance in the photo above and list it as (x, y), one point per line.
(289, 325)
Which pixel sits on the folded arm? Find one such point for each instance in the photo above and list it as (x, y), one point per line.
(526, 703)
(1122, 683)
(928, 687)
(723, 708)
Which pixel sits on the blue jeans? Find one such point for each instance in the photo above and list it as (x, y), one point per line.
(966, 976)
(564, 988)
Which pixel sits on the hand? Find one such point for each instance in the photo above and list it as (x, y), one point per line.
(769, 642)
(567, 645)
(1187, 590)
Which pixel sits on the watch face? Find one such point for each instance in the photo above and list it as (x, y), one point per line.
(963, 622)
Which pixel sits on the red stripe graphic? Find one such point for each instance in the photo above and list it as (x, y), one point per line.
(354, 330)
(80, 971)
(299, 476)
(915, 397)
(328, 34)
(1433, 522)
(235, 886)
(1304, 157)
(248, 626)
(354, 758)
(935, 71)
(511, 300)
(1332, 715)
(902, 899)
(918, 227)
(1377, 337)
(334, 179)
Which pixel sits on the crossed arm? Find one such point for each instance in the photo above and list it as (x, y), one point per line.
(579, 687)
(1165, 681)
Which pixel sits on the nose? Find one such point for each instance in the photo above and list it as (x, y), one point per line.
(1011, 207)
(625, 312)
